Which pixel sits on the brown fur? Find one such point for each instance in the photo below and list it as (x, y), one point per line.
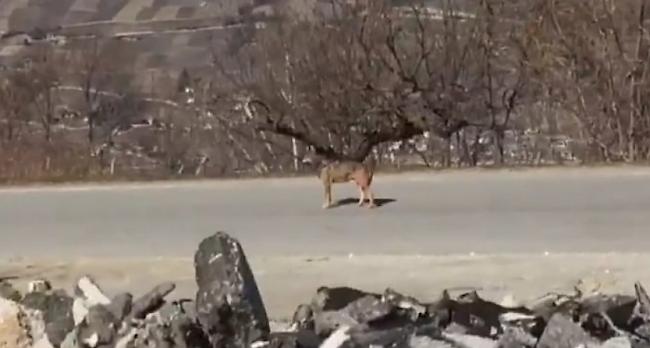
(336, 172)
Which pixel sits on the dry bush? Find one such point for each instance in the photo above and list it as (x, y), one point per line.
(38, 160)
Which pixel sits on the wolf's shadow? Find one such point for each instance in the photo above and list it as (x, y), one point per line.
(380, 202)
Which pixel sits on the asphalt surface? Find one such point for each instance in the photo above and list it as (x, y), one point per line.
(566, 210)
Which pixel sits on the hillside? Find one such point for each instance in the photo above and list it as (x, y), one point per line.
(164, 34)
(134, 88)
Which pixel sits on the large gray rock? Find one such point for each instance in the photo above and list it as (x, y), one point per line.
(516, 337)
(336, 298)
(299, 339)
(325, 323)
(368, 309)
(229, 305)
(303, 318)
(394, 337)
(98, 328)
(410, 306)
(361, 311)
(56, 307)
(427, 342)
(562, 332)
(478, 316)
(460, 340)
(617, 342)
(186, 333)
(121, 305)
(642, 309)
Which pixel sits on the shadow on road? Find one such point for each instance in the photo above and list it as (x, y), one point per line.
(350, 201)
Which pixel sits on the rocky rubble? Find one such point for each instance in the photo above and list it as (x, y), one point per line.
(228, 311)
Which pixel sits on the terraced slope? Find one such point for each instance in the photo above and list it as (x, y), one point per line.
(27, 14)
(166, 34)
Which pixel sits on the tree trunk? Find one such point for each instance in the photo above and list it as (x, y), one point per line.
(498, 142)
(447, 154)
(48, 133)
(91, 130)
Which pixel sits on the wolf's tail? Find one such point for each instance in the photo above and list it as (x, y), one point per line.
(370, 163)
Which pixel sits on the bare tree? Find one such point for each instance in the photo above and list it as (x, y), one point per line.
(369, 73)
(592, 58)
(16, 94)
(100, 68)
(321, 83)
(45, 76)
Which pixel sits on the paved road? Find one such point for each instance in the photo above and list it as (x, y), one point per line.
(597, 210)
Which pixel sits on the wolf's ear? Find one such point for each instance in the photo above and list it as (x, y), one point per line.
(312, 158)
(309, 157)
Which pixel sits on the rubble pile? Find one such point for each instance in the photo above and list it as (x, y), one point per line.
(228, 311)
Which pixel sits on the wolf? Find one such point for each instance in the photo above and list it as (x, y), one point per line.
(341, 171)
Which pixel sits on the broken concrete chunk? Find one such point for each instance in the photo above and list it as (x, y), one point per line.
(14, 326)
(37, 329)
(303, 318)
(516, 337)
(299, 339)
(88, 289)
(185, 332)
(427, 342)
(338, 338)
(617, 342)
(151, 301)
(470, 341)
(411, 305)
(70, 340)
(121, 305)
(7, 291)
(39, 285)
(98, 328)
(79, 310)
(368, 309)
(328, 321)
(336, 298)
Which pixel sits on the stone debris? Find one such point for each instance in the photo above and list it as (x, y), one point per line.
(150, 302)
(7, 291)
(228, 311)
(14, 326)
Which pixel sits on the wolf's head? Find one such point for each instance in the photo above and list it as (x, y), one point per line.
(313, 159)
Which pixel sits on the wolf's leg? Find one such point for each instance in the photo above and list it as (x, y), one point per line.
(327, 185)
(371, 198)
(362, 196)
